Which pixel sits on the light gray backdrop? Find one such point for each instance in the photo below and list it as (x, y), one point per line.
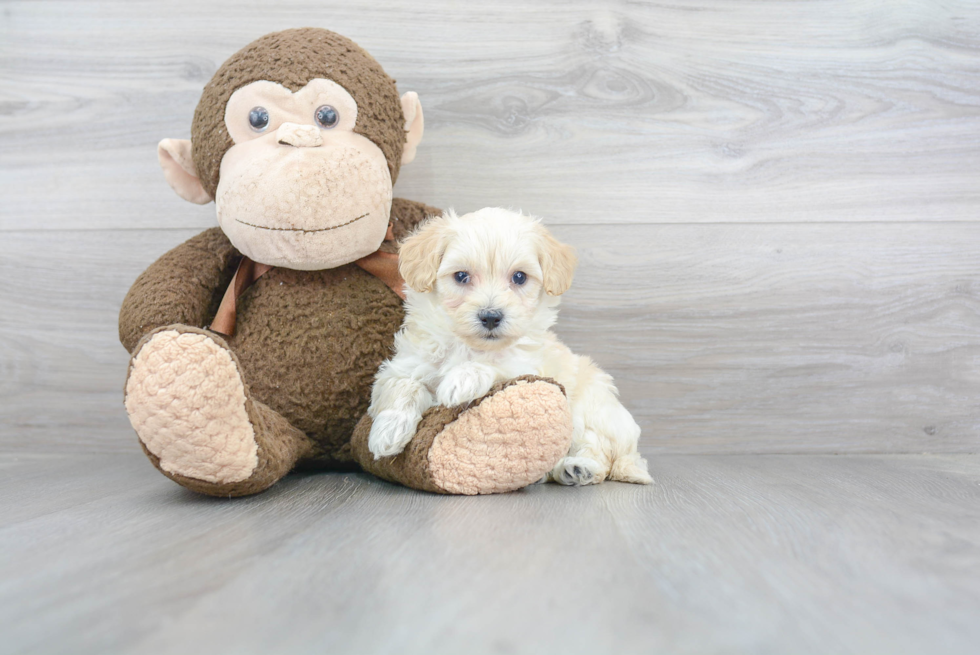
(775, 203)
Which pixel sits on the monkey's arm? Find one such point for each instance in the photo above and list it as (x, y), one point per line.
(184, 286)
(406, 215)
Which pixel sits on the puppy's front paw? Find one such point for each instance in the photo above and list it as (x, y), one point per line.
(464, 384)
(577, 471)
(391, 431)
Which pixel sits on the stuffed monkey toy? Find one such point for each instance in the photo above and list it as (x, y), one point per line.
(254, 344)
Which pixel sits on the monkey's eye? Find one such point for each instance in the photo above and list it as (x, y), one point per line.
(519, 278)
(258, 118)
(327, 116)
(462, 277)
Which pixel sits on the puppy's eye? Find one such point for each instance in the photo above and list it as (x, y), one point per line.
(519, 278)
(462, 277)
(258, 118)
(327, 116)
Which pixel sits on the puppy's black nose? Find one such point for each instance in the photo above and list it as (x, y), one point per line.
(490, 318)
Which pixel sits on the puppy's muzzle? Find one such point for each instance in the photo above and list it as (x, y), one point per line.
(490, 318)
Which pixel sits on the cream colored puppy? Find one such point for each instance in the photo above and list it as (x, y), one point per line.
(483, 292)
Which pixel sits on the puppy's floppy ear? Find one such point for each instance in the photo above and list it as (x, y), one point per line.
(420, 254)
(557, 260)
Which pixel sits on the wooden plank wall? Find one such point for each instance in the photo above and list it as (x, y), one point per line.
(776, 204)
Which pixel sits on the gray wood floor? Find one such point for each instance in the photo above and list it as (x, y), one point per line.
(777, 209)
(724, 554)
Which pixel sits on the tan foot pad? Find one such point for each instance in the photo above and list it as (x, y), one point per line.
(186, 401)
(508, 441)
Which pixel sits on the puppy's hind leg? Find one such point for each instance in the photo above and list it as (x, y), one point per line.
(627, 464)
(609, 433)
(585, 462)
(630, 468)
(578, 471)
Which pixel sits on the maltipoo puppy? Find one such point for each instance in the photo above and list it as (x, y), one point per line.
(483, 292)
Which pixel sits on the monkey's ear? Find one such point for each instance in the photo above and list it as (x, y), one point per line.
(414, 125)
(421, 254)
(178, 168)
(558, 262)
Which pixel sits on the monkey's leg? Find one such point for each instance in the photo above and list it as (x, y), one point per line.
(504, 441)
(197, 421)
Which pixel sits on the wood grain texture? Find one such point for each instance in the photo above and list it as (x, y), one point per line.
(722, 338)
(582, 112)
(776, 207)
(758, 554)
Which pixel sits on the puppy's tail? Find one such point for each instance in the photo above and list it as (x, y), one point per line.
(630, 468)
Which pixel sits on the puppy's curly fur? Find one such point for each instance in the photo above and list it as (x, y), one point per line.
(482, 294)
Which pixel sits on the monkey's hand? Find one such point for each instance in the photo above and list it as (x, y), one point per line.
(183, 287)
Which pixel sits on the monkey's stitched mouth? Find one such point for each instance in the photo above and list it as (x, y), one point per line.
(299, 229)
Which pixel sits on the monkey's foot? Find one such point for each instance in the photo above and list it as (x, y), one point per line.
(192, 412)
(507, 440)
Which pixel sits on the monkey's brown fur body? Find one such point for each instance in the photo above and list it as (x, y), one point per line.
(231, 415)
(308, 342)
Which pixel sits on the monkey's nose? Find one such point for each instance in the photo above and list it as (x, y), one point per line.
(300, 136)
(490, 318)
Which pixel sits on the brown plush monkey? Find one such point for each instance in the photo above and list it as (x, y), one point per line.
(254, 344)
